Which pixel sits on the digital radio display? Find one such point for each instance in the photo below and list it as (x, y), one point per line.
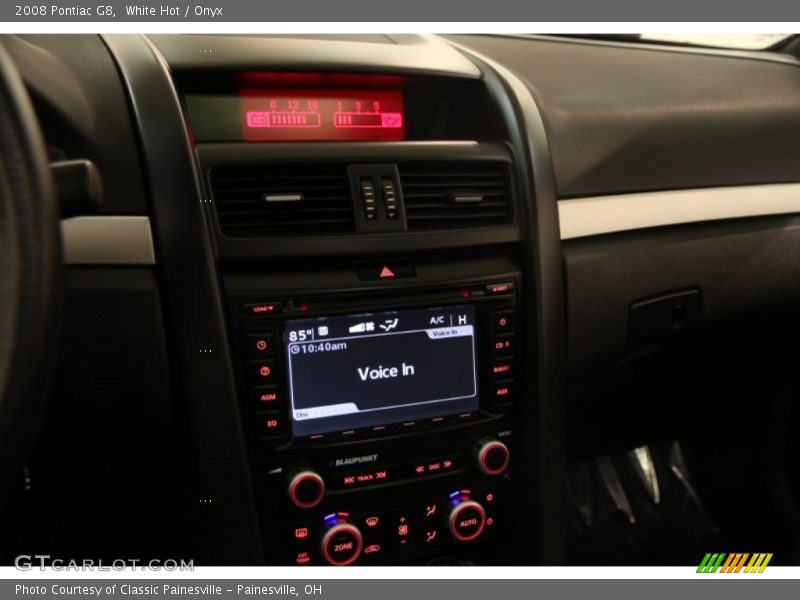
(284, 115)
(365, 370)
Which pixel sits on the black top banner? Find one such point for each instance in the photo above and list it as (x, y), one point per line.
(445, 11)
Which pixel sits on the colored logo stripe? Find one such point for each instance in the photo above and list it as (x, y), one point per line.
(734, 563)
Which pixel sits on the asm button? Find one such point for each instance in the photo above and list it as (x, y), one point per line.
(267, 398)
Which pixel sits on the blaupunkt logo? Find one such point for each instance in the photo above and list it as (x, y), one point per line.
(720, 562)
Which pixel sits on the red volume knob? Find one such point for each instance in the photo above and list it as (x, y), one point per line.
(306, 489)
(492, 457)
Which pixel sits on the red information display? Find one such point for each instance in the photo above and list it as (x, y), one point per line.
(291, 115)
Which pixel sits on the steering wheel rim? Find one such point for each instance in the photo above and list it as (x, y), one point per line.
(30, 268)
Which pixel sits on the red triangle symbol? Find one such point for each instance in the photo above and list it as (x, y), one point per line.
(386, 273)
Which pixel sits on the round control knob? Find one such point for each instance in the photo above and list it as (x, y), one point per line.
(467, 520)
(491, 457)
(342, 544)
(306, 489)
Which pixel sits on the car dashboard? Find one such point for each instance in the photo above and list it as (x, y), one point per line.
(371, 299)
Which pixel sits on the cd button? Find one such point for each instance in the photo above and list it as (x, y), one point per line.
(503, 345)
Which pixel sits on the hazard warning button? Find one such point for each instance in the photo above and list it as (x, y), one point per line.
(384, 271)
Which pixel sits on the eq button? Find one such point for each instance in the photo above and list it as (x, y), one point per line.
(270, 424)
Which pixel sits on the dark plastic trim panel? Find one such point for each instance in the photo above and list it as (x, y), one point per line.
(406, 54)
(220, 510)
(624, 119)
(544, 429)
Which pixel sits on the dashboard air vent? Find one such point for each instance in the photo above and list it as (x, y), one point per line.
(451, 195)
(254, 200)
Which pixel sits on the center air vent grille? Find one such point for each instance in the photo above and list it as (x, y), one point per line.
(450, 195)
(253, 200)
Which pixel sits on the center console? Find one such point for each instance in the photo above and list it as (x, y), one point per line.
(381, 421)
(355, 280)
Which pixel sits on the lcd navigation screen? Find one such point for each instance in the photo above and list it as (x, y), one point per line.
(357, 371)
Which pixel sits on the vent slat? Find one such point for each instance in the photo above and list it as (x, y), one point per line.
(239, 191)
(429, 189)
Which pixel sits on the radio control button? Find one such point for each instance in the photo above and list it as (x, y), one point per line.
(363, 478)
(262, 344)
(503, 368)
(342, 544)
(491, 457)
(262, 372)
(503, 392)
(306, 489)
(467, 521)
(270, 424)
(503, 321)
(496, 289)
(262, 309)
(433, 466)
(267, 398)
(503, 345)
